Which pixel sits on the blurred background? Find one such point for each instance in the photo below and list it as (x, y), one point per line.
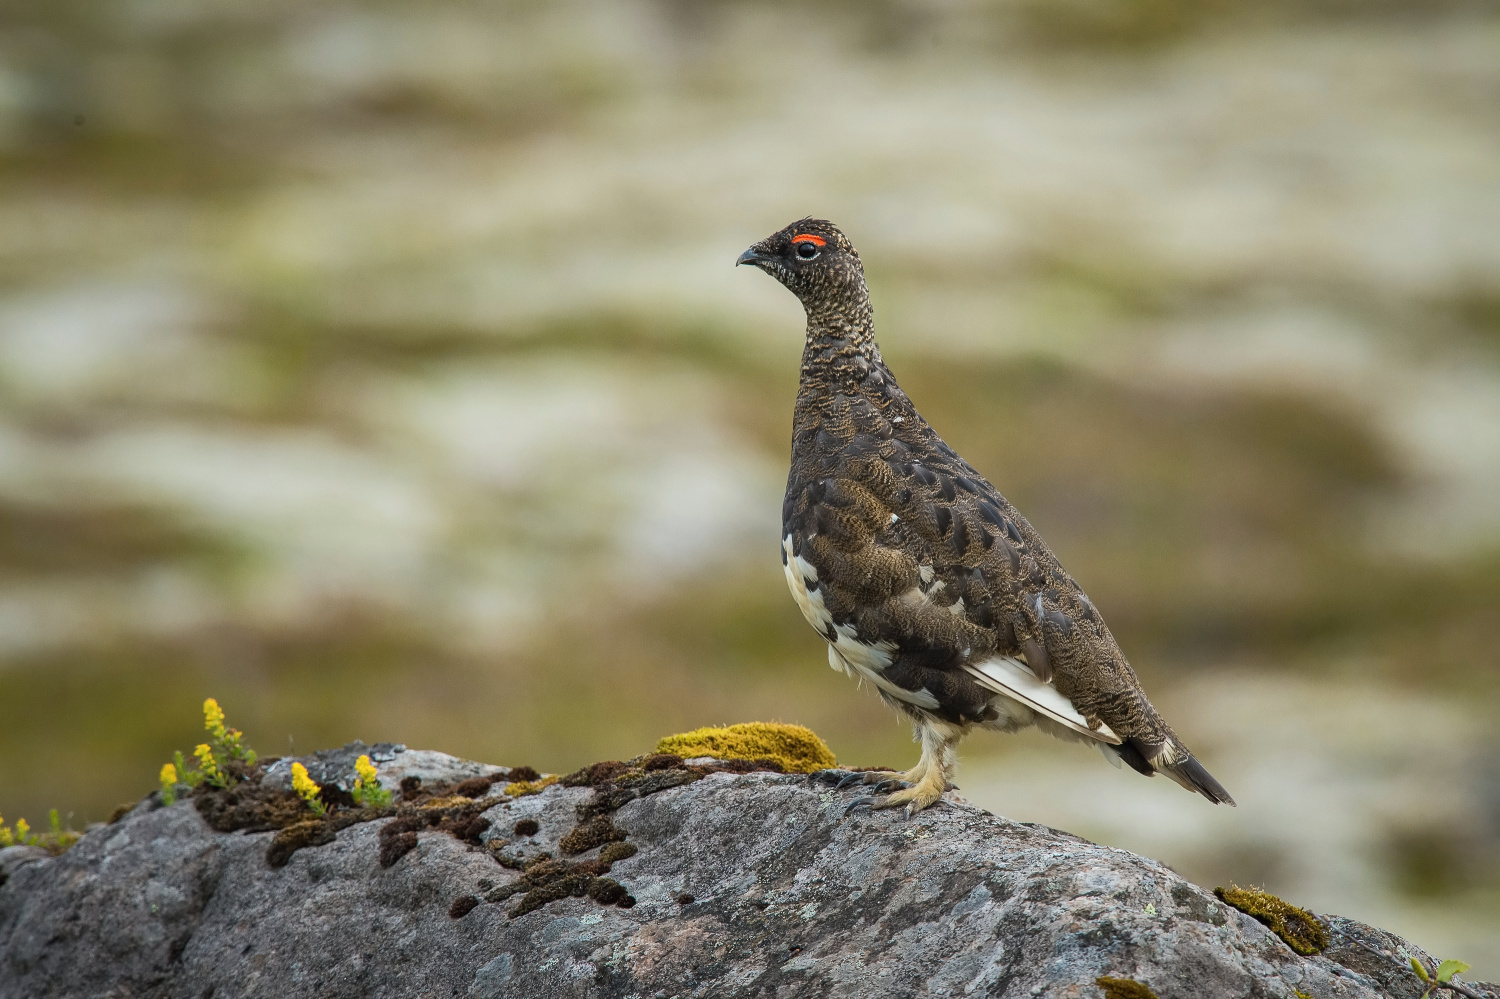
(380, 370)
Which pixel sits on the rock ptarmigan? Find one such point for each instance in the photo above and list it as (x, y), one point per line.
(921, 577)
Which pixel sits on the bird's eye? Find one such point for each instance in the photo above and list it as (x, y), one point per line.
(807, 250)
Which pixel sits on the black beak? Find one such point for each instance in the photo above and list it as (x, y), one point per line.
(751, 256)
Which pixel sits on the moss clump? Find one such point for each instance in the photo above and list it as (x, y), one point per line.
(1124, 988)
(796, 748)
(549, 880)
(617, 851)
(1300, 929)
(587, 835)
(521, 788)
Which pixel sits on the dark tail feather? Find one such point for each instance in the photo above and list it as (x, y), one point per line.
(1145, 758)
(1132, 751)
(1192, 775)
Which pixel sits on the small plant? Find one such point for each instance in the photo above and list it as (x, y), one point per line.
(367, 790)
(185, 774)
(59, 839)
(56, 840)
(21, 835)
(168, 778)
(208, 766)
(1442, 977)
(307, 789)
(221, 761)
(228, 741)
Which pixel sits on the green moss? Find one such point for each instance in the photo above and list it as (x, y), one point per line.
(1300, 929)
(797, 749)
(1124, 988)
(1300, 994)
(521, 788)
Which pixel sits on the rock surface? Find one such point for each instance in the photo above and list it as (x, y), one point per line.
(741, 884)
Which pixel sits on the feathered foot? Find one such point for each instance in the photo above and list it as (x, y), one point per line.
(924, 783)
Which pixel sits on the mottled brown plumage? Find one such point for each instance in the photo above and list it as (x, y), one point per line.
(923, 579)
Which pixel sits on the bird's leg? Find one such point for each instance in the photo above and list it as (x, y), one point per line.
(939, 746)
(893, 778)
(926, 782)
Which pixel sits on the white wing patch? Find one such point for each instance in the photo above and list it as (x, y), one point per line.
(922, 698)
(1009, 676)
(800, 574)
(846, 652)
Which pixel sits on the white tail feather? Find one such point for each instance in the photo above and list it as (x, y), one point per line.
(1011, 677)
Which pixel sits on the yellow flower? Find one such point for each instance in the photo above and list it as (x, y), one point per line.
(168, 775)
(305, 786)
(366, 770)
(7, 838)
(213, 718)
(23, 830)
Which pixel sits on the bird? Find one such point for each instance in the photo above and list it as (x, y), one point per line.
(922, 578)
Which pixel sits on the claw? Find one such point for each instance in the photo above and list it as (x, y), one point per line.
(852, 779)
(862, 802)
(827, 776)
(892, 784)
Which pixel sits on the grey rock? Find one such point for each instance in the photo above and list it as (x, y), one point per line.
(12, 857)
(395, 761)
(789, 897)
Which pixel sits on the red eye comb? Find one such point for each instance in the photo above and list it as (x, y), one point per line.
(808, 237)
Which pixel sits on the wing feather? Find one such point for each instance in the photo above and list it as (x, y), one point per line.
(1008, 676)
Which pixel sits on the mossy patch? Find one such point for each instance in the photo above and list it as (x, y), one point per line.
(549, 880)
(796, 748)
(1124, 988)
(521, 788)
(587, 835)
(1301, 930)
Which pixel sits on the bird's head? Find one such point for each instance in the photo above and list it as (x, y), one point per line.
(815, 261)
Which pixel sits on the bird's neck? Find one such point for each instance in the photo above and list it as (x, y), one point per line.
(840, 352)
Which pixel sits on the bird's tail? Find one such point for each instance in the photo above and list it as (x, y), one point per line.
(1173, 759)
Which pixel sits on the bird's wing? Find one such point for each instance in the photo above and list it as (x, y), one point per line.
(1009, 676)
(981, 562)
